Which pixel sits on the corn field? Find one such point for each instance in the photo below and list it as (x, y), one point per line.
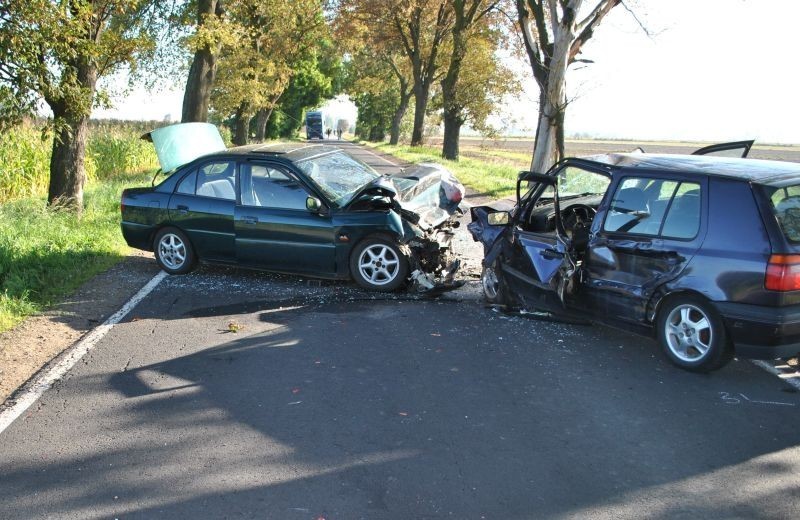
(25, 151)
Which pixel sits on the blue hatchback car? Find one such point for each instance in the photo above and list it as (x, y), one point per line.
(703, 252)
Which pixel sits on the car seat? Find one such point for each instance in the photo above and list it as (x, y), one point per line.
(683, 218)
(626, 210)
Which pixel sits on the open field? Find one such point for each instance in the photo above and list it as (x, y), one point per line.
(581, 147)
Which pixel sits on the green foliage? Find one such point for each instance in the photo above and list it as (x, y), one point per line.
(375, 112)
(25, 157)
(484, 80)
(307, 88)
(114, 153)
(24, 163)
(283, 60)
(55, 51)
(46, 253)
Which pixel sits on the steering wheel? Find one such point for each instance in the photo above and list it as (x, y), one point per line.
(577, 215)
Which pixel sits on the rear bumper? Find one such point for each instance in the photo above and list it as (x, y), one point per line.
(761, 332)
(139, 236)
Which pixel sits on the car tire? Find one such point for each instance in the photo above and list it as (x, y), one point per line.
(494, 289)
(173, 251)
(378, 264)
(692, 335)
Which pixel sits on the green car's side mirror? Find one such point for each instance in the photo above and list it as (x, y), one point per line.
(313, 204)
(498, 218)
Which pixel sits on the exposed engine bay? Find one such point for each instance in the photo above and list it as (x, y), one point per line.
(428, 199)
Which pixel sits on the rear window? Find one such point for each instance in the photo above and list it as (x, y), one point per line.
(786, 206)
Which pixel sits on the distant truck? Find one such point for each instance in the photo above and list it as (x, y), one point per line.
(315, 125)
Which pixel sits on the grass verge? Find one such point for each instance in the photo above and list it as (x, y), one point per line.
(45, 253)
(492, 173)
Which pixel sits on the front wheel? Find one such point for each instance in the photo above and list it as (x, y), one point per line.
(378, 264)
(692, 334)
(173, 251)
(493, 289)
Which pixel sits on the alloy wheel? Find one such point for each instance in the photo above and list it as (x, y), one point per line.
(688, 332)
(172, 251)
(491, 285)
(379, 264)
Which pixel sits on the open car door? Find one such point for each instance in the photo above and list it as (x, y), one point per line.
(540, 259)
(733, 149)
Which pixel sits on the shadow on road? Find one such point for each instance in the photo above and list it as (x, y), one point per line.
(382, 410)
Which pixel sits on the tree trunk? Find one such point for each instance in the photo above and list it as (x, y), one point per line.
(421, 92)
(242, 126)
(549, 62)
(452, 131)
(261, 124)
(67, 171)
(263, 118)
(197, 95)
(549, 145)
(394, 132)
(453, 118)
(67, 162)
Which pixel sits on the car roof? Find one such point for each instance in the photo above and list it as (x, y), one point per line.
(754, 170)
(290, 151)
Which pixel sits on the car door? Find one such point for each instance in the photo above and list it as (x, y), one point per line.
(274, 229)
(649, 231)
(203, 206)
(539, 257)
(732, 149)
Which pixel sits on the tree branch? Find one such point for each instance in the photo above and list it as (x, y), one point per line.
(603, 8)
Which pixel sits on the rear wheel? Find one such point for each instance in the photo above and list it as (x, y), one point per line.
(173, 251)
(378, 264)
(692, 335)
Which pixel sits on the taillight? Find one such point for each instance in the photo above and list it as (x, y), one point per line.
(783, 273)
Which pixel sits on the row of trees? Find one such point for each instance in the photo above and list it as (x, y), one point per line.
(257, 64)
(252, 63)
(442, 54)
(445, 56)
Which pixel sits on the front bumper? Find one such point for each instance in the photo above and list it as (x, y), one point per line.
(759, 332)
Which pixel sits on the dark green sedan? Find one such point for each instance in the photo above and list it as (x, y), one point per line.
(294, 208)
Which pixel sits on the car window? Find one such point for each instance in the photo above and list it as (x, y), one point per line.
(187, 184)
(269, 187)
(786, 207)
(683, 219)
(655, 207)
(574, 181)
(218, 180)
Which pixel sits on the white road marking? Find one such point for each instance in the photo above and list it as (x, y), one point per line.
(791, 379)
(46, 379)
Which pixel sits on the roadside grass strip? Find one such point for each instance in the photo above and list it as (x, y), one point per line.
(53, 372)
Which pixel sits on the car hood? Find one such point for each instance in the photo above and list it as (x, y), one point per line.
(179, 144)
(426, 194)
(430, 191)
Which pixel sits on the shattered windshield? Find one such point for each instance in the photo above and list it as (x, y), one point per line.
(573, 182)
(338, 175)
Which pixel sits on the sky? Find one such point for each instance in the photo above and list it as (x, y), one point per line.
(710, 70)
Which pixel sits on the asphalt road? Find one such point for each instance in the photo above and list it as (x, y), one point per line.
(330, 402)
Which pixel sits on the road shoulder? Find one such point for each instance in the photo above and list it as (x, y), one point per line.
(29, 347)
